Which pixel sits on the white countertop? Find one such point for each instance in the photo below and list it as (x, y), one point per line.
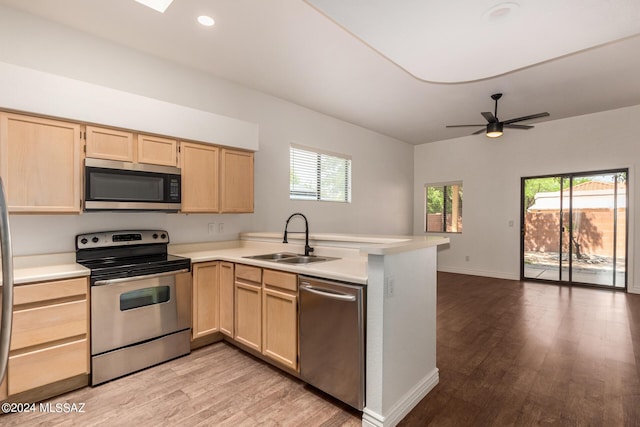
(350, 267)
(365, 243)
(352, 251)
(39, 268)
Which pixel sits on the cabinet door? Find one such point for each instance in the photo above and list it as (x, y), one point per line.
(110, 144)
(248, 318)
(205, 298)
(40, 164)
(236, 179)
(226, 298)
(199, 177)
(280, 327)
(157, 151)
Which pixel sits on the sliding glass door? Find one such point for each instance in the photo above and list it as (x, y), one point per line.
(574, 228)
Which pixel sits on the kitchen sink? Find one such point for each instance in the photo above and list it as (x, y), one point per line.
(302, 259)
(273, 257)
(290, 258)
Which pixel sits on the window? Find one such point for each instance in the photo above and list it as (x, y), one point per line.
(317, 175)
(444, 208)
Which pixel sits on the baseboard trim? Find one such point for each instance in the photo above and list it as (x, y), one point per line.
(404, 405)
(483, 273)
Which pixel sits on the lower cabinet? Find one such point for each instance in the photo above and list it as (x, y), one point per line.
(205, 298)
(49, 342)
(280, 318)
(256, 307)
(226, 298)
(248, 306)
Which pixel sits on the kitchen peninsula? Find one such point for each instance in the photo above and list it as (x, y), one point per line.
(400, 276)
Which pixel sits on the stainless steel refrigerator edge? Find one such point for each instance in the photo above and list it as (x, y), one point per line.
(7, 284)
(332, 338)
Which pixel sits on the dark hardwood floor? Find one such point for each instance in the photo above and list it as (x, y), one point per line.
(510, 354)
(527, 354)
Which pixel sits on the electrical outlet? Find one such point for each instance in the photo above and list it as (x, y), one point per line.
(221, 227)
(389, 286)
(510, 223)
(212, 228)
(466, 258)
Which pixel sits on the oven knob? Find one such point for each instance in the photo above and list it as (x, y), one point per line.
(155, 235)
(163, 236)
(95, 240)
(84, 240)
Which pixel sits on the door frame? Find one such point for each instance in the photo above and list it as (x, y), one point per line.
(570, 176)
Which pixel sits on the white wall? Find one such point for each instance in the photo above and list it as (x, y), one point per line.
(491, 172)
(382, 166)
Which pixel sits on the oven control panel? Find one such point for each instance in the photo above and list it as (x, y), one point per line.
(121, 238)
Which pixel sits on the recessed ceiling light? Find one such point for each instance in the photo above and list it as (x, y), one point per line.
(205, 20)
(159, 5)
(500, 11)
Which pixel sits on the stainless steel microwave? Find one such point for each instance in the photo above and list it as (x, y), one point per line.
(114, 185)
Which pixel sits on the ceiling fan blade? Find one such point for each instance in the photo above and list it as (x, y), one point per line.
(464, 126)
(489, 116)
(518, 126)
(531, 117)
(479, 131)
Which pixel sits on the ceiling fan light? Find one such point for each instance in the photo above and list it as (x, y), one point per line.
(494, 130)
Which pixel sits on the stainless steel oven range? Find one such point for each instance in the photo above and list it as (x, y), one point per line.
(140, 301)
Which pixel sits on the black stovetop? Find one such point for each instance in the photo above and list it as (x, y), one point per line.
(109, 259)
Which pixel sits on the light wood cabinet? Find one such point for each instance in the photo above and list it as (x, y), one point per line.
(236, 181)
(124, 146)
(216, 180)
(50, 335)
(248, 306)
(205, 298)
(109, 144)
(280, 317)
(157, 151)
(199, 163)
(226, 298)
(40, 164)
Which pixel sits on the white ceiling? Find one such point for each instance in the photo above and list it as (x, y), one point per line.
(291, 50)
(495, 36)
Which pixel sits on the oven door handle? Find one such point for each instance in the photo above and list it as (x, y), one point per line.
(130, 279)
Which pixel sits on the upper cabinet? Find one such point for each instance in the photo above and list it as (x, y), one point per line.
(109, 144)
(112, 144)
(199, 164)
(40, 164)
(216, 180)
(236, 181)
(157, 151)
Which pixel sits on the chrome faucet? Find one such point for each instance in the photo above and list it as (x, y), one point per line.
(307, 249)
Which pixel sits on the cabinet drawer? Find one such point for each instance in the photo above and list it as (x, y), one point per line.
(34, 369)
(246, 272)
(280, 279)
(45, 291)
(49, 323)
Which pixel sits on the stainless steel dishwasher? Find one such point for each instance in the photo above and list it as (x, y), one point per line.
(332, 338)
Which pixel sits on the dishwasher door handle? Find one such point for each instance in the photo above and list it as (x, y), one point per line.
(325, 293)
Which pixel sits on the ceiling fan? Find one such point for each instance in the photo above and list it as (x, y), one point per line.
(494, 126)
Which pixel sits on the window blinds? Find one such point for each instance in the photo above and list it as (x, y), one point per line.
(319, 175)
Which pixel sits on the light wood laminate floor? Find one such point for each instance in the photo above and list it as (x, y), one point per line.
(218, 385)
(510, 354)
